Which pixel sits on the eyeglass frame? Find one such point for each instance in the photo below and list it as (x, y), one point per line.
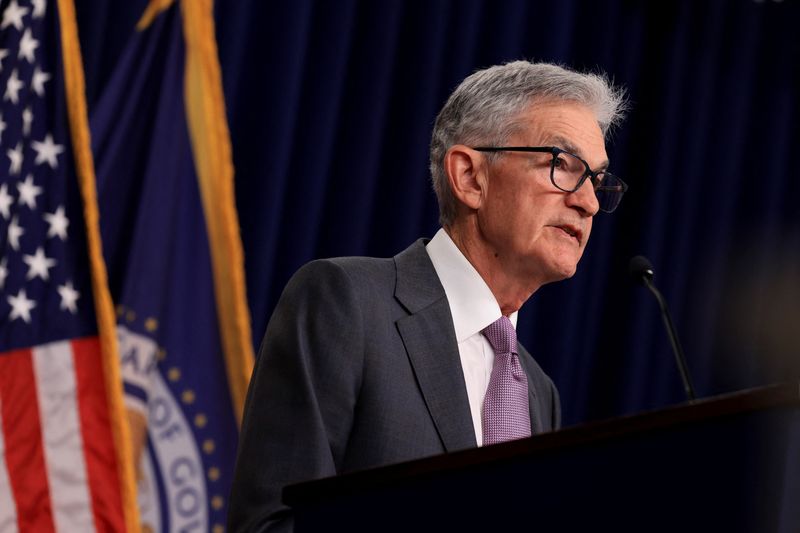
(554, 151)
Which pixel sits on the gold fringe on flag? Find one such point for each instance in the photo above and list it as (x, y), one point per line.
(106, 323)
(153, 9)
(211, 148)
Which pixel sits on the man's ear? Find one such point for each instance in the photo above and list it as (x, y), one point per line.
(466, 172)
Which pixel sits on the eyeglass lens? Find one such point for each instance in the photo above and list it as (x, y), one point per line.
(568, 170)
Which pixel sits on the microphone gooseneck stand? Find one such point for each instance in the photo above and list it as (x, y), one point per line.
(642, 271)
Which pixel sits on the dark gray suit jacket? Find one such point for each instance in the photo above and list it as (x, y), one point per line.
(359, 368)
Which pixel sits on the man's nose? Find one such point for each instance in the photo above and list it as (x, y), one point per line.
(584, 199)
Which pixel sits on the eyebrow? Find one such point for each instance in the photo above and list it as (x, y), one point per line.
(566, 144)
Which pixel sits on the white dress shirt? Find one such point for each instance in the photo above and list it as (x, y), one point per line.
(473, 307)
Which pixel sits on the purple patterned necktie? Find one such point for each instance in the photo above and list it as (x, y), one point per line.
(505, 408)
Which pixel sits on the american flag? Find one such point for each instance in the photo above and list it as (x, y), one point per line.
(59, 466)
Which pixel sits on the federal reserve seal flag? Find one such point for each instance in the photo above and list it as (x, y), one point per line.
(175, 265)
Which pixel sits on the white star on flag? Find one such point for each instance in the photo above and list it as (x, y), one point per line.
(3, 272)
(13, 16)
(2, 127)
(27, 120)
(3, 55)
(57, 221)
(39, 265)
(12, 87)
(20, 306)
(27, 46)
(6, 200)
(28, 192)
(69, 297)
(15, 155)
(47, 150)
(39, 7)
(37, 82)
(15, 231)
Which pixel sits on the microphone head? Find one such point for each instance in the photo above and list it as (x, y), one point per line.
(641, 269)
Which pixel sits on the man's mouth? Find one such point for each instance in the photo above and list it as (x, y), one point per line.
(572, 231)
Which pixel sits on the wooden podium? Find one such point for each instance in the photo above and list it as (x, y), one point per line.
(724, 464)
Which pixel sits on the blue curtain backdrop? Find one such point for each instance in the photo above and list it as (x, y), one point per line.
(330, 105)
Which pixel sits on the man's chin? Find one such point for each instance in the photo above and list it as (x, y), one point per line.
(563, 270)
(558, 275)
(567, 274)
(563, 263)
(557, 267)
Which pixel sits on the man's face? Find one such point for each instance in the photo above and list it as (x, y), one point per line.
(534, 229)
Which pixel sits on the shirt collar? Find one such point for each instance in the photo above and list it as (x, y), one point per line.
(472, 303)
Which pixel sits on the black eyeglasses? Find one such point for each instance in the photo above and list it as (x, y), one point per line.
(568, 172)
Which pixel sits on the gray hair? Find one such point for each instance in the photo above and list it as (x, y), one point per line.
(484, 110)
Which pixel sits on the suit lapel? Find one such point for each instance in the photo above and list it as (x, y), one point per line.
(430, 342)
(536, 416)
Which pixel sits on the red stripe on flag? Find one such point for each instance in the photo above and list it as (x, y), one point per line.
(23, 442)
(98, 441)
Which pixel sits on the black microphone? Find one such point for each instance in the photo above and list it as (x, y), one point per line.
(642, 271)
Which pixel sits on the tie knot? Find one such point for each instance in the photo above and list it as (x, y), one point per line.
(501, 335)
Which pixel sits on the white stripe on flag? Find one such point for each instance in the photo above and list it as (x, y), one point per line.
(61, 434)
(8, 508)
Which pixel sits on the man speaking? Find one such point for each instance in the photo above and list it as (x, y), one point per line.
(368, 361)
